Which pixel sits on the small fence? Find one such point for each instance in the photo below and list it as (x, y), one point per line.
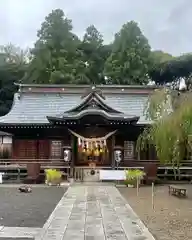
(16, 170)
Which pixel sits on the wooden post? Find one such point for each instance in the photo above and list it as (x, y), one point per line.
(112, 157)
(18, 175)
(152, 194)
(72, 165)
(137, 186)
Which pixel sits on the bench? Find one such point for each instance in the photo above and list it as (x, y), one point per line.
(177, 190)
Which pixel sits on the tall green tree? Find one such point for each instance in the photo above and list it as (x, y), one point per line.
(94, 54)
(130, 57)
(13, 62)
(56, 58)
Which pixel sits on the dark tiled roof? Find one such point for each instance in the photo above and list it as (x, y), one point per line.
(4, 134)
(93, 112)
(34, 107)
(41, 86)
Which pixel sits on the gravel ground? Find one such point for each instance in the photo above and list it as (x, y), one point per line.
(28, 209)
(171, 218)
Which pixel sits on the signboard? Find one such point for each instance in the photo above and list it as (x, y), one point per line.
(112, 175)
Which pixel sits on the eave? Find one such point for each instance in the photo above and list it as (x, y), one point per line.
(73, 88)
(93, 113)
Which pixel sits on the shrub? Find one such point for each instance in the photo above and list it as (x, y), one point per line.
(132, 175)
(53, 176)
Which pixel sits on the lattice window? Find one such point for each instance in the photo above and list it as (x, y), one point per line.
(30, 149)
(128, 150)
(56, 149)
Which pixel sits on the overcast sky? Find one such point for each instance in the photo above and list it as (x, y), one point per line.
(166, 23)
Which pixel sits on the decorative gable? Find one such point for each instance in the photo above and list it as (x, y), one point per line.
(93, 101)
(93, 104)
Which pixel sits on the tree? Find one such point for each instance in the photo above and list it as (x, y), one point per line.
(14, 55)
(173, 71)
(56, 58)
(94, 54)
(171, 130)
(129, 61)
(13, 62)
(9, 74)
(159, 56)
(93, 37)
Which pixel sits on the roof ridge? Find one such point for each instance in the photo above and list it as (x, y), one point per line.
(104, 86)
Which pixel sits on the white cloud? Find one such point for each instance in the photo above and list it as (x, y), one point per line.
(165, 23)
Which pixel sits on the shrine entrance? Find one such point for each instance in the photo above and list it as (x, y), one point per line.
(93, 150)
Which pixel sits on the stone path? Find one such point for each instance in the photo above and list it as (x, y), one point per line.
(93, 213)
(18, 232)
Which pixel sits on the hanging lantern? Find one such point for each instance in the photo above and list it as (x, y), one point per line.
(88, 152)
(96, 152)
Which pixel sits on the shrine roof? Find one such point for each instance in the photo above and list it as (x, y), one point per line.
(33, 103)
(4, 134)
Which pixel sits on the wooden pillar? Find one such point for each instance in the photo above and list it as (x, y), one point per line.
(112, 156)
(149, 152)
(72, 165)
(37, 149)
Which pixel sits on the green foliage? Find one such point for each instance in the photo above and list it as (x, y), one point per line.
(159, 56)
(133, 175)
(94, 54)
(158, 104)
(56, 58)
(60, 57)
(172, 70)
(53, 176)
(9, 73)
(130, 57)
(170, 133)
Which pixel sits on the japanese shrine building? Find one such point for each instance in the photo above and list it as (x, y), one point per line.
(46, 119)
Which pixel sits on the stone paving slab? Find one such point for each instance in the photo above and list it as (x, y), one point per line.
(18, 232)
(93, 213)
(18, 238)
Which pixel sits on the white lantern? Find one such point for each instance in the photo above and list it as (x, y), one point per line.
(67, 155)
(118, 155)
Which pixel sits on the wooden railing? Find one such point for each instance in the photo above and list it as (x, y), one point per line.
(17, 169)
(59, 163)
